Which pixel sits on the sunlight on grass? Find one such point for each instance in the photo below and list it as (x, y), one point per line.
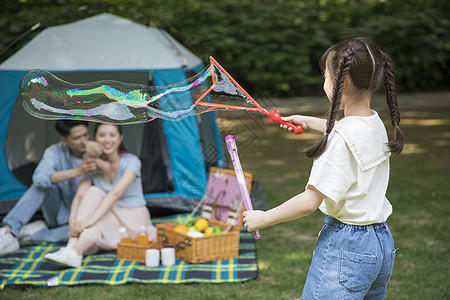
(442, 143)
(413, 149)
(266, 143)
(426, 122)
(281, 178)
(298, 255)
(304, 136)
(274, 162)
(263, 265)
(443, 135)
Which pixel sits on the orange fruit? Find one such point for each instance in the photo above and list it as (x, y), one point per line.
(201, 224)
(181, 228)
(208, 230)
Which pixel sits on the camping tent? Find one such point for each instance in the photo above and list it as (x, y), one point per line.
(175, 155)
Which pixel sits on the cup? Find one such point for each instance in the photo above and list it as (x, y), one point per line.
(168, 256)
(152, 257)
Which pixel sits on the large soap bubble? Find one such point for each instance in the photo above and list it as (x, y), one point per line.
(48, 97)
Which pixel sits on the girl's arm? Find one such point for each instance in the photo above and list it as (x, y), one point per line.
(313, 123)
(110, 199)
(298, 206)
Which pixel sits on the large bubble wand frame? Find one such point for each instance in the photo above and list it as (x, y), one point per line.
(273, 116)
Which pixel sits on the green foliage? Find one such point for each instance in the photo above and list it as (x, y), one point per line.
(417, 36)
(272, 45)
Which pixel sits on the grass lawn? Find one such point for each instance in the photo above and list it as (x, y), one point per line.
(418, 191)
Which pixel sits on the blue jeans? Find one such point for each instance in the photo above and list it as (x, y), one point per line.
(350, 262)
(55, 212)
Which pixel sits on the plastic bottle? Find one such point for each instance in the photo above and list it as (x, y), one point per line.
(142, 238)
(123, 233)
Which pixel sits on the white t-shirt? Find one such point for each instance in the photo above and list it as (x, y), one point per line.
(353, 171)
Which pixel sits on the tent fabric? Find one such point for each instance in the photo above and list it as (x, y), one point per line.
(115, 42)
(109, 47)
(188, 175)
(10, 187)
(155, 159)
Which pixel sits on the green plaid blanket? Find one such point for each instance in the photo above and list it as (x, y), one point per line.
(27, 267)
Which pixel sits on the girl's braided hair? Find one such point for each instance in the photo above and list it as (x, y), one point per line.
(366, 66)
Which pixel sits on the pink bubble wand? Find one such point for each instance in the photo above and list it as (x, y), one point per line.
(232, 149)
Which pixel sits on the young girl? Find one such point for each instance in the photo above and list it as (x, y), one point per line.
(354, 255)
(104, 202)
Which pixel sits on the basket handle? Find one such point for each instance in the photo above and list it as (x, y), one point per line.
(179, 245)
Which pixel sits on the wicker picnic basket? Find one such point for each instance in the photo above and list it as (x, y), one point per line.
(224, 245)
(132, 251)
(206, 248)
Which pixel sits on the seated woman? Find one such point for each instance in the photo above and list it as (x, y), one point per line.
(104, 202)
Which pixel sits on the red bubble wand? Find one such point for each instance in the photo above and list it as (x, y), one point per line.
(273, 116)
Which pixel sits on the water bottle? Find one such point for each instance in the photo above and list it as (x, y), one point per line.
(124, 237)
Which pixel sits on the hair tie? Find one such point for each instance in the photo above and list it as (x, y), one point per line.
(373, 60)
(396, 127)
(326, 133)
(353, 50)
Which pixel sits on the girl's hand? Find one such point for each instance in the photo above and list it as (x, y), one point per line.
(296, 119)
(77, 227)
(74, 229)
(307, 122)
(253, 219)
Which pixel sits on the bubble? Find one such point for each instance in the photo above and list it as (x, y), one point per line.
(46, 96)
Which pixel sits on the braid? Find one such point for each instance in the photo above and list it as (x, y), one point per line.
(342, 71)
(397, 145)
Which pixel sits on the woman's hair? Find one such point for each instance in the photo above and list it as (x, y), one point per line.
(121, 148)
(366, 66)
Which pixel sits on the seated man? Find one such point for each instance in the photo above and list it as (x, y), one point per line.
(55, 182)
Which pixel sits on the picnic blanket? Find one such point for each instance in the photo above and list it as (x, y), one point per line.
(27, 267)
